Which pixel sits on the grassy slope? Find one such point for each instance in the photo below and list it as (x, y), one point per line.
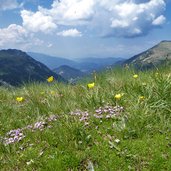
(143, 128)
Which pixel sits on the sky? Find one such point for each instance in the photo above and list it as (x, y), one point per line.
(84, 28)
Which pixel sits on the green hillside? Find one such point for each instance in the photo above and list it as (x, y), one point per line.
(153, 57)
(121, 123)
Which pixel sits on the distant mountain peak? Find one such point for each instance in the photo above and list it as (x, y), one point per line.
(165, 41)
(83, 64)
(12, 51)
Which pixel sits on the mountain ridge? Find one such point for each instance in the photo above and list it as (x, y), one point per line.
(51, 62)
(152, 57)
(83, 64)
(17, 67)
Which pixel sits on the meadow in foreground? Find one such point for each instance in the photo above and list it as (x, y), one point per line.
(119, 121)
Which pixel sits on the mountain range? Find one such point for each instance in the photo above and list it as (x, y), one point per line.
(51, 62)
(84, 64)
(16, 67)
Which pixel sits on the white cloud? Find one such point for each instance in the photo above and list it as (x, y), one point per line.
(123, 18)
(134, 18)
(8, 4)
(72, 11)
(17, 37)
(13, 33)
(159, 20)
(70, 33)
(37, 21)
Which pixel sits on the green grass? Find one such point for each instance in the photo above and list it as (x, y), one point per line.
(143, 128)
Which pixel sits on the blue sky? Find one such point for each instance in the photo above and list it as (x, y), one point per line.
(84, 28)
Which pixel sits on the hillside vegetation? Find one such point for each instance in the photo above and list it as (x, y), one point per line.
(16, 67)
(153, 57)
(120, 123)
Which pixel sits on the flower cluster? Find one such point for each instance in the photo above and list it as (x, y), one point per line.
(83, 116)
(13, 136)
(38, 125)
(17, 134)
(52, 118)
(102, 112)
(108, 112)
(41, 125)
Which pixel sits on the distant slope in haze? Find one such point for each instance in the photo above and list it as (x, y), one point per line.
(51, 61)
(90, 64)
(69, 73)
(83, 64)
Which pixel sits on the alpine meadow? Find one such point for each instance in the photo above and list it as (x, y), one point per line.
(121, 123)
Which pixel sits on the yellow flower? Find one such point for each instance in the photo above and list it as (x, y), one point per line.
(135, 76)
(50, 79)
(141, 97)
(90, 85)
(52, 92)
(119, 96)
(19, 99)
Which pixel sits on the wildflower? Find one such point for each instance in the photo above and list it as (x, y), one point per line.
(52, 92)
(117, 141)
(30, 162)
(39, 125)
(42, 92)
(52, 118)
(141, 98)
(156, 74)
(19, 99)
(135, 76)
(13, 136)
(50, 79)
(119, 96)
(90, 85)
(144, 84)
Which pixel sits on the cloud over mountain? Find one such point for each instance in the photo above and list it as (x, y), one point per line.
(13, 33)
(18, 36)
